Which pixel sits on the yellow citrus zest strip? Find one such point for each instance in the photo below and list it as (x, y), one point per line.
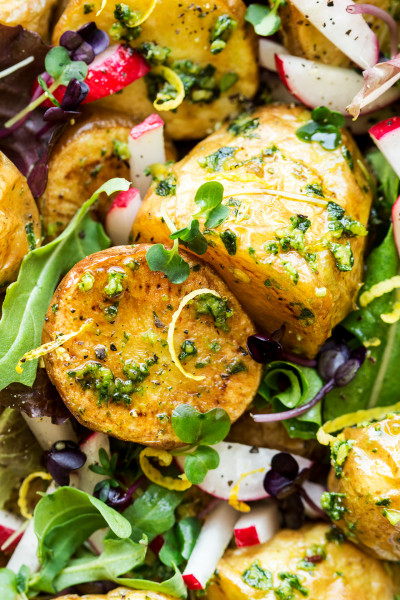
(24, 489)
(379, 289)
(393, 316)
(50, 346)
(234, 495)
(373, 342)
(355, 418)
(102, 7)
(176, 82)
(164, 459)
(146, 14)
(171, 330)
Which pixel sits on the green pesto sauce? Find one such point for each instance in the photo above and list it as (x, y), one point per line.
(153, 53)
(188, 349)
(340, 224)
(229, 240)
(221, 32)
(133, 264)
(208, 304)
(237, 366)
(290, 584)
(86, 282)
(30, 235)
(257, 577)
(125, 27)
(88, 8)
(340, 450)
(111, 312)
(121, 149)
(343, 255)
(243, 125)
(333, 504)
(314, 189)
(216, 161)
(114, 285)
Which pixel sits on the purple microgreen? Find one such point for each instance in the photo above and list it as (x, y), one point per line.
(74, 95)
(17, 66)
(375, 11)
(331, 356)
(62, 458)
(97, 38)
(265, 349)
(86, 43)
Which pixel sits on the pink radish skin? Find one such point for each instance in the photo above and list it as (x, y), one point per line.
(258, 526)
(315, 84)
(267, 49)
(47, 433)
(214, 537)
(386, 136)
(396, 223)
(351, 34)
(146, 147)
(9, 524)
(120, 217)
(235, 460)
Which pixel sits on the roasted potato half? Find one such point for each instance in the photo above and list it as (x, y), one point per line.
(117, 375)
(182, 29)
(302, 563)
(303, 39)
(31, 14)
(119, 594)
(20, 229)
(277, 284)
(87, 154)
(370, 482)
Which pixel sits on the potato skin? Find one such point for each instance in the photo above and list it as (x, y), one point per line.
(32, 14)
(251, 268)
(17, 209)
(361, 576)
(82, 160)
(145, 309)
(119, 594)
(184, 27)
(371, 474)
(303, 39)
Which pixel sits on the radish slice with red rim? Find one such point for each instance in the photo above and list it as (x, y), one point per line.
(214, 537)
(9, 525)
(120, 216)
(386, 136)
(146, 147)
(258, 526)
(267, 49)
(351, 34)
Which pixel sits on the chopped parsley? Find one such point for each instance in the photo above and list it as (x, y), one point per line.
(114, 285)
(290, 583)
(341, 224)
(291, 271)
(153, 53)
(88, 8)
(221, 32)
(95, 376)
(343, 255)
(188, 349)
(121, 149)
(111, 312)
(229, 240)
(292, 237)
(237, 366)
(30, 236)
(314, 189)
(137, 372)
(86, 282)
(125, 26)
(216, 161)
(257, 577)
(208, 304)
(340, 450)
(243, 125)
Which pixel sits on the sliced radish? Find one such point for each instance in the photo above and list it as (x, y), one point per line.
(146, 147)
(236, 460)
(120, 217)
(314, 492)
(257, 526)
(214, 537)
(84, 478)
(277, 90)
(386, 136)
(267, 49)
(316, 84)
(9, 526)
(396, 223)
(351, 34)
(47, 433)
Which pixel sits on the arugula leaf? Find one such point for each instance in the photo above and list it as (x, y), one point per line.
(170, 552)
(287, 386)
(194, 427)
(199, 462)
(192, 238)
(8, 585)
(324, 127)
(173, 586)
(153, 513)
(376, 383)
(168, 262)
(27, 299)
(63, 521)
(264, 19)
(388, 189)
(119, 557)
(180, 541)
(19, 453)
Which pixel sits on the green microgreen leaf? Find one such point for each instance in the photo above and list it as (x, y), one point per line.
(56, 60)
(199, 462)
(192, 237)
(168, 262)
(209, 198)
(264, 19)
(75, 70)
(324, 128)
(44, 87)
(8, 584)
(194, 427)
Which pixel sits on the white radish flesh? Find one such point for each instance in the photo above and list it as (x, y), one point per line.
(146, 147)
(236, 460)
(120, 217)
(314, 491)
(396, 223)
(214, 537)
(84, 478)
(9, 525)
(267, 49)
(258, 526)
(47, 433)
(315, 84)
(386, 136)
(350, 33)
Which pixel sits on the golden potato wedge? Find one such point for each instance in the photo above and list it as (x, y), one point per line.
(339, 571)
(119, 594)
(303, 39)
(125, 350)
(85, 157)
(20, 228)
(370, 482)
(276, 287)
(184, 28)
(31, 14)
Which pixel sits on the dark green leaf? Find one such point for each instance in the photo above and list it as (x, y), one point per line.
(118, 557)
(264, 20)
(27, 299)
(153, 513)
(208, 196)
(217, 216)
(194, 427)
(173, 586)
(168, 262)
(388, 189)
(56, 60)
(191, 236)
(188, 531)
(287, 386)
(199, 462)
(8, 585)
(170, 552)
